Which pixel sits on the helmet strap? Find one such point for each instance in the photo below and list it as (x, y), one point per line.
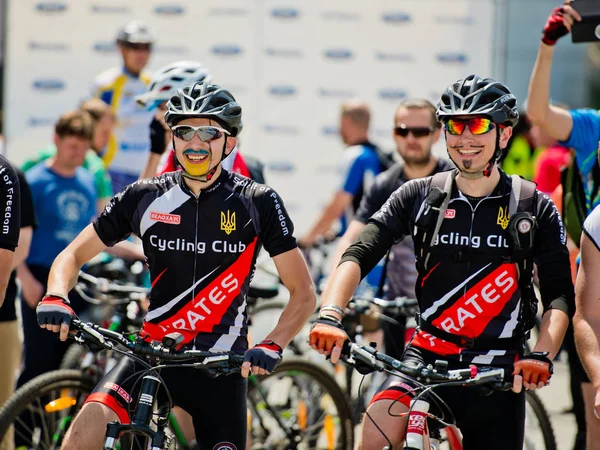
(207, 176)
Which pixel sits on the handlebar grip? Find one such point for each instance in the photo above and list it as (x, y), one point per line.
(236, 360)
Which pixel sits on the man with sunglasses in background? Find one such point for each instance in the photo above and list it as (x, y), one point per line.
(126, 152)
(476, 236)
(360, 165)
(202, 228)
(416, 129)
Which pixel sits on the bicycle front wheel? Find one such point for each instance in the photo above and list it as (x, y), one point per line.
(539, 433)
(299, 406)
(41, 411)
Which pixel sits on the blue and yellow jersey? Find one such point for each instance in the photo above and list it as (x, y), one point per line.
(129, 144)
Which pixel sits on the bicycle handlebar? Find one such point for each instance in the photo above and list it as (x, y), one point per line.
(110, 291)
(226, 362)
(474, 375)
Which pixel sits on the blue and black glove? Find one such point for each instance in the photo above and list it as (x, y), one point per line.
(54, 310)
(265, 355)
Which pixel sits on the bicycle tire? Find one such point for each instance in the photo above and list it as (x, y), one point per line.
(39, 387)
(73, 357)
(328, 383)
(543, 419)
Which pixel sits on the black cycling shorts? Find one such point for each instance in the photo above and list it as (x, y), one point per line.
(217, 405)
(487, 420)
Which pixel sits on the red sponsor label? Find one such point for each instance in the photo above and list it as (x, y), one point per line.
(166, 218)
(416, 422)
(450, 214)
(479, 305)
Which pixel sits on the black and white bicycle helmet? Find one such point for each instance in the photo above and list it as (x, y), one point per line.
(166, 80)
(204, 100)
(135, 32)
(476, 96)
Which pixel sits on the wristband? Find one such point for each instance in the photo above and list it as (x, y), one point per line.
(335, 308)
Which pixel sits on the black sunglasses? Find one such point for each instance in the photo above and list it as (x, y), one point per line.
(417, 132)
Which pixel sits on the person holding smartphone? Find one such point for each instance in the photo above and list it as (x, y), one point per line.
(578, 129)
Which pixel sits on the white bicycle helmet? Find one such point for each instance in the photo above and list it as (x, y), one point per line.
(135, 32)
(166, 80)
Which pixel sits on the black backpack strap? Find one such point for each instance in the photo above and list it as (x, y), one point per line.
(431, 215)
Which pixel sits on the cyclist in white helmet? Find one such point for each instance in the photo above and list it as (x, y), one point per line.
(164, 83)
(126, 150)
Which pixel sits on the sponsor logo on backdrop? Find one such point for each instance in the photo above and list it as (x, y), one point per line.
(228, 12)
(281, 166)
(396, 17)
(283, 130)
(341, 16)
(49, 46)
(284, 52)
(392, 94)
(285, 13)
(282, 91)
(41, 121)
(455, 20)
(169, 10)
(109, 9)
(452, 58)
(394, 56)
(48, 84)
(170, 49)
(338, 53)
(226, 50)
(330, 130)
(336, 93)
(105, 46)
(51, 7)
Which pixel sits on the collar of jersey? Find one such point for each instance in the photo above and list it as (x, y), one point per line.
(222, 178)
(501, 189)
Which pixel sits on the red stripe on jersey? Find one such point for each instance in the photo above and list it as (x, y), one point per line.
(434, 344)
(210, 305)
(471, 314)
(158, 277)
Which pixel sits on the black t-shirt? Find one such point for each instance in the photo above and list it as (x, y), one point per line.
(27, 219)
(200, 251)
(157, 137)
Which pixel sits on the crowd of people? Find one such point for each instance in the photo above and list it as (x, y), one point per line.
(149, 168)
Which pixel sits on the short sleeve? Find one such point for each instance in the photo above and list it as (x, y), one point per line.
(276, 227)
(27, 208)
(591, 226)
(114, 224)
(157, 137)
(10, 206)
(372, 200)
(584, 137)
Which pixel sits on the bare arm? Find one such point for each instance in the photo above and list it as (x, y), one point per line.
(66, 266)
(555, 121)
(296, 278)
(552, 332)
(22, 250)
(101, 204)
(346, 241)
(127, 250)
(332, 212)
(151, 166)
(587, 313)
(6, 264)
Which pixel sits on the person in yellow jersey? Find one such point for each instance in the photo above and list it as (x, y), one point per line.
(127, 149)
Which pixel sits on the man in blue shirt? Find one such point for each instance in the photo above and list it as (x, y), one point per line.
(580, 130)
(359, 167)
(64, 198)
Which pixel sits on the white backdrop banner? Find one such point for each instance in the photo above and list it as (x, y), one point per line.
(290, 64)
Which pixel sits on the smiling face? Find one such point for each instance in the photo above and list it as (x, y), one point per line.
(196, 156)
(472, 152)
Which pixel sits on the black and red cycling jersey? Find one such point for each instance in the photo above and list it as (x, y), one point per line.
(200, 250)
(473, 297)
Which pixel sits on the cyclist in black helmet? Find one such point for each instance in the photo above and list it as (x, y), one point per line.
(477, 233)
(201, 228)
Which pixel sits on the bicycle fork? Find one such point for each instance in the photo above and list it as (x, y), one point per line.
(141, 419)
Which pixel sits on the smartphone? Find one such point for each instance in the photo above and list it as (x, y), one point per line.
(588, 30)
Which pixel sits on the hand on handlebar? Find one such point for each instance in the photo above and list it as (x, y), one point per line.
(55, 314)
(532, 371)
(262, 358)
(328, 337)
